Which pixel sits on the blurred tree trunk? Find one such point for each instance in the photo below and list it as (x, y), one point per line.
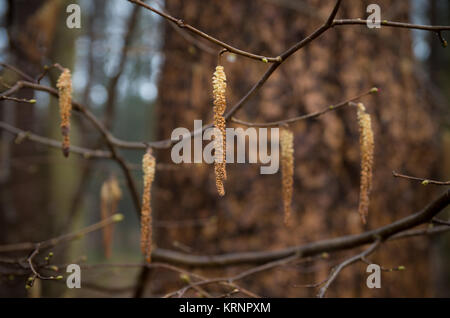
(33, 191)
(24, 192)
(439, 13)
(64, 172)
(340, 64)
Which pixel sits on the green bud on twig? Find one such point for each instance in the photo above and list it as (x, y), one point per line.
(185, 278)
(117, 217)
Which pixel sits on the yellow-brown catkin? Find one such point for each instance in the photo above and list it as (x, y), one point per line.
(110, 196)
(366, 141)
(220, 104)
(287, 170)
(64, 86)
(148, 168)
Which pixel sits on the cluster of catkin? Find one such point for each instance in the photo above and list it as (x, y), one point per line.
(64, 86)
(287, 170)
(366, 141)
(220, 104)
(148, 168)
(110, 196)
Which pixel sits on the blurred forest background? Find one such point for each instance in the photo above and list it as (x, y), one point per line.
(144, 77)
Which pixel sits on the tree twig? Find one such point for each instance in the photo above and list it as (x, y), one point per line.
(28, 246)
(424, 181)
(181, 24)
(26, 135)
(393, 230)
(344, 264)
(304, 117)
(402, 25)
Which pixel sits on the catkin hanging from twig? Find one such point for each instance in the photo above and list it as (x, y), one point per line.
(64, 85)
(148, 168)
(219, 89)
(366, 142)
(110, 196)
(287, 170)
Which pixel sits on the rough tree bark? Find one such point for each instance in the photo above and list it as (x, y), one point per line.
(340, 64)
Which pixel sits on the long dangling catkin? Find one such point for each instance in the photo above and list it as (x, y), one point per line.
(366, 142)
(220, 104)
(64, 86)
(110, 196)
(148, 168)
(287, 170)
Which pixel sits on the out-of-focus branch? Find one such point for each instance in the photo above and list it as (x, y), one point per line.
(112, 85)
(394, 230)
(420, 232)
(63, 238)
(304, 117)
(110, 141)
(440, 222)
(109, 108)
(26, 135)
(17, 71)
(344, 264)
(29, 266)
(233, 279)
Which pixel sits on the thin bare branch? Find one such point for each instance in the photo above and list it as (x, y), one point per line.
(333, 13)
(181, 24)
(304, 117)
(63, 238)
(422, 180)
(403, 25)
(311, 249)
(344, 264)
(26, 135)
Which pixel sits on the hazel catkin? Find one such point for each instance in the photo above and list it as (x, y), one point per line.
(110, 196)
(148, 168)
(219, 89)
(366, 142)
(287, 170)
(64, 85)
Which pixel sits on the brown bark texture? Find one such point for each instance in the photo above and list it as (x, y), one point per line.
(342, 63)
